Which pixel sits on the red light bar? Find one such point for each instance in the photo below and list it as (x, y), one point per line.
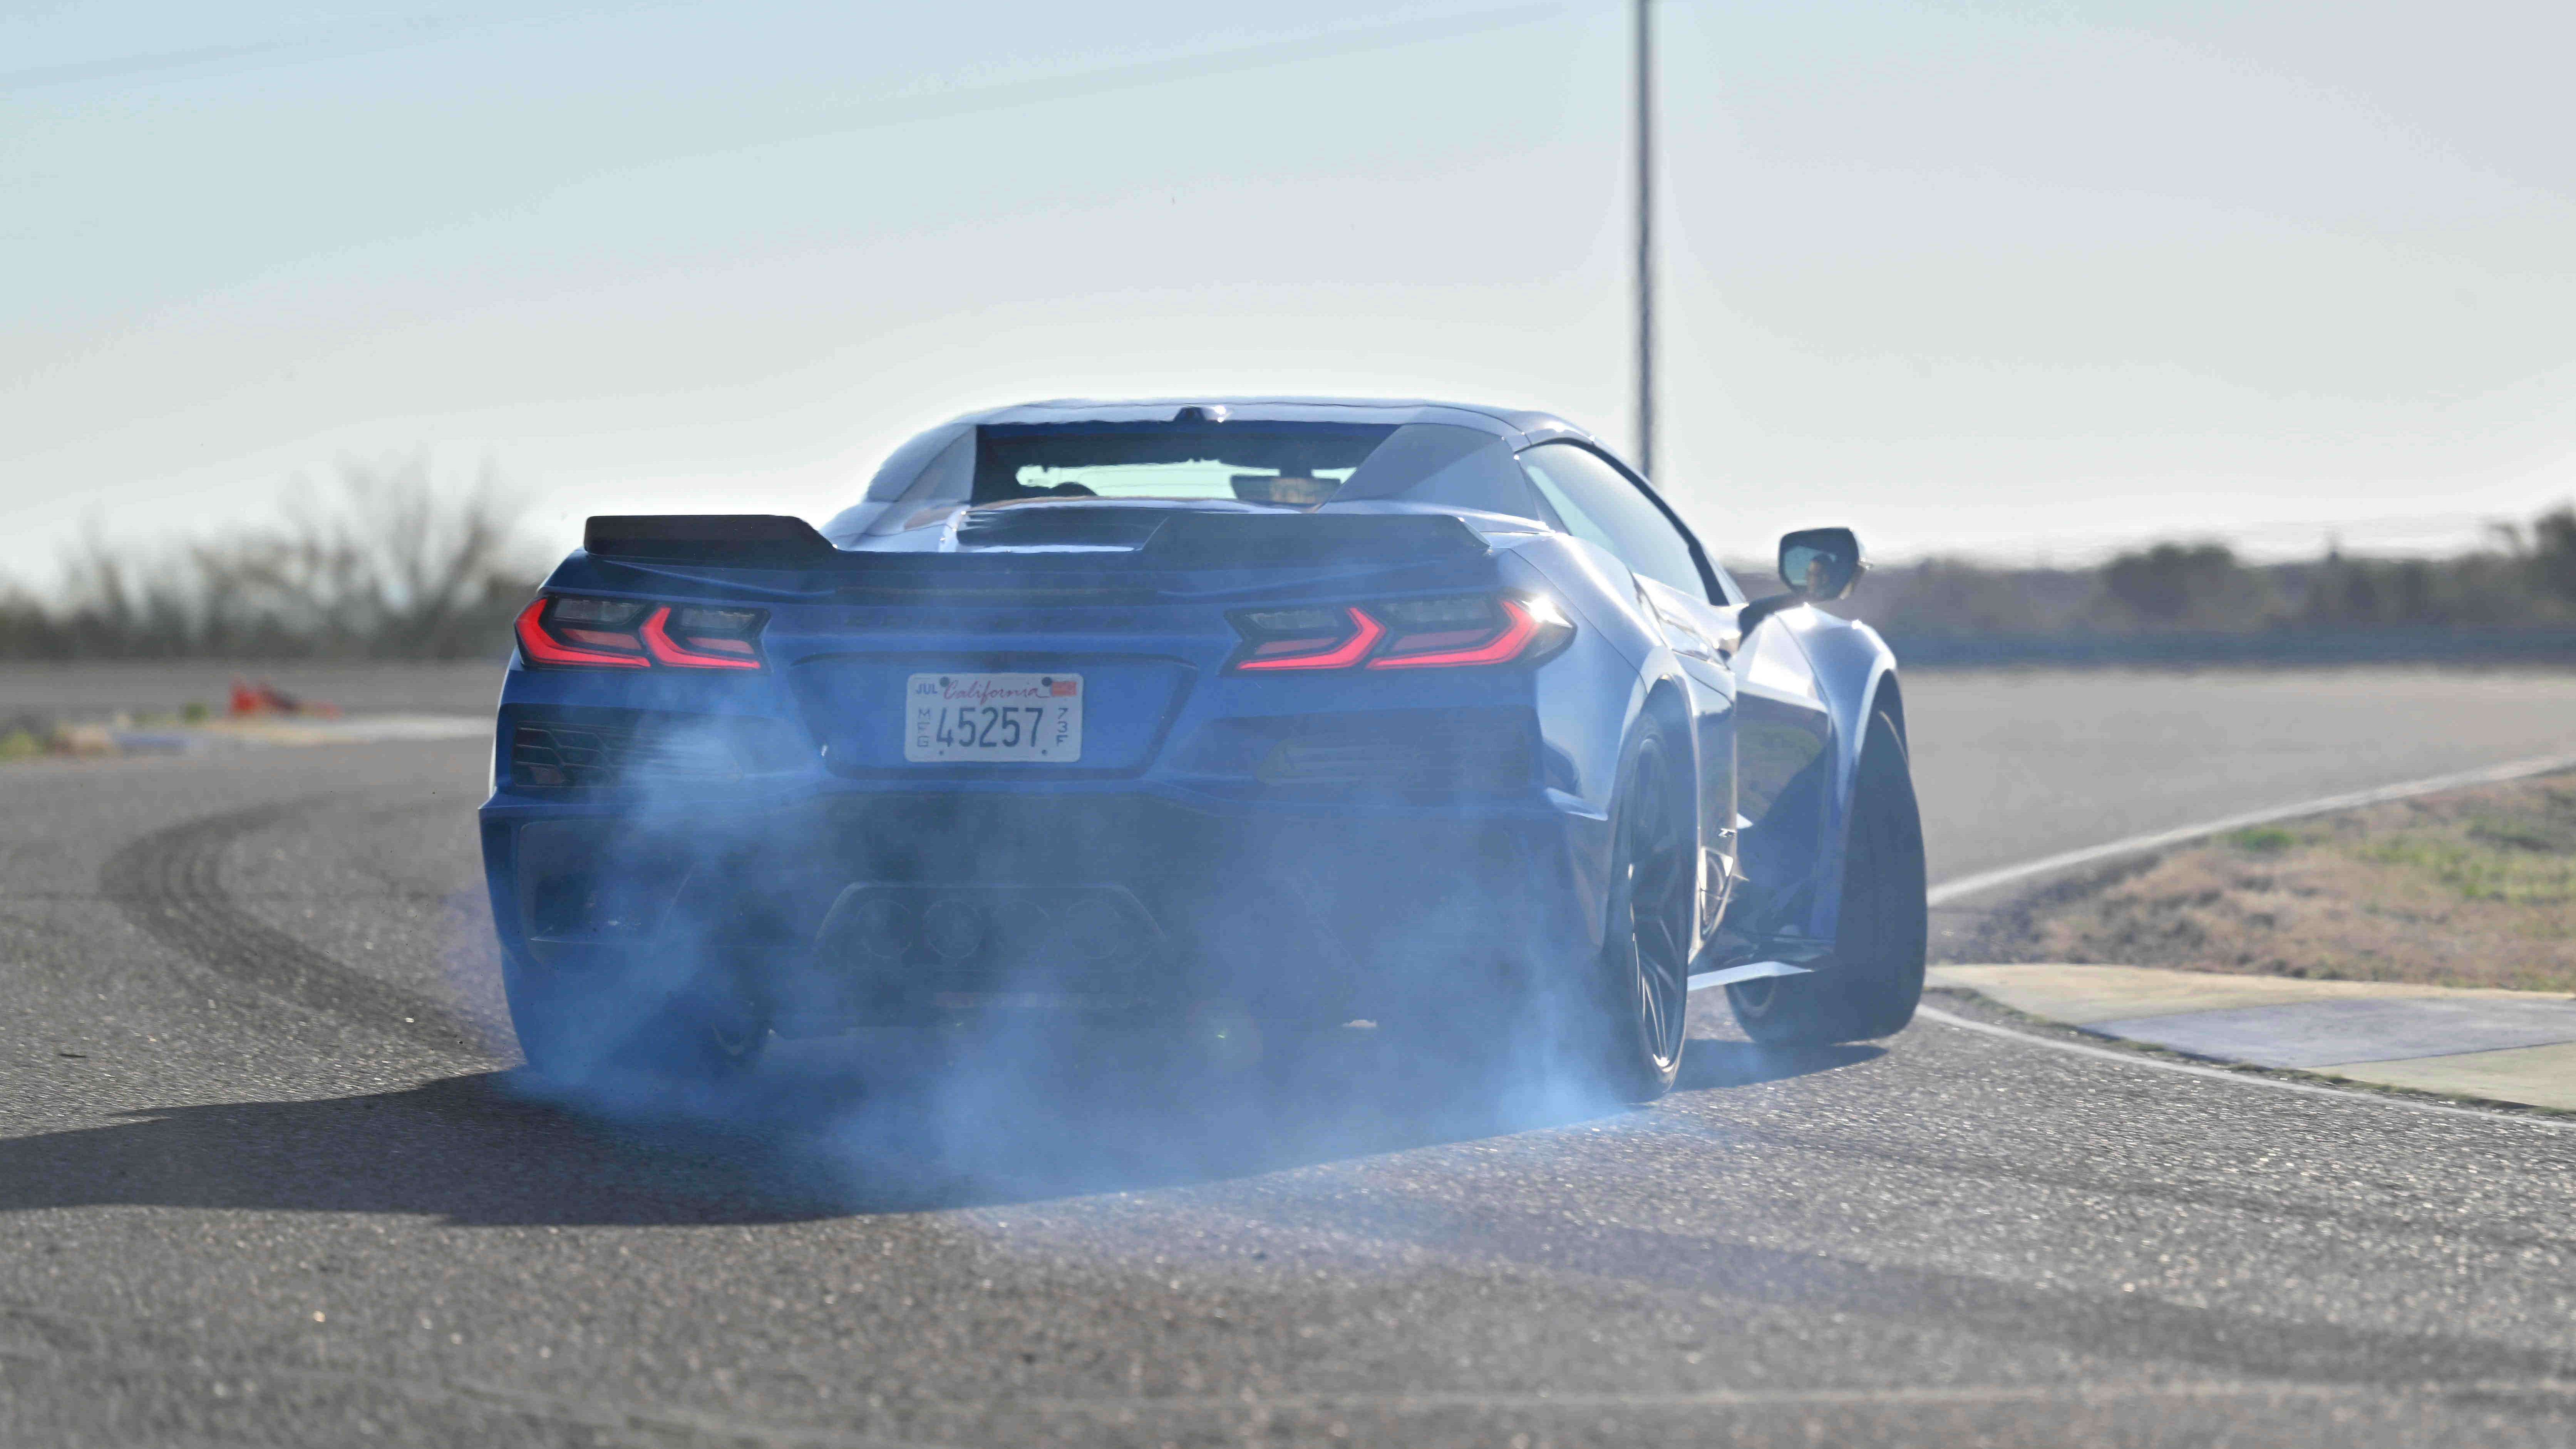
(542, 648)
(1349, 652)
(666, 650)
(1508, 644)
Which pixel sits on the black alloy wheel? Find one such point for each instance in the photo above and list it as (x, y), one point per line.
(1646, 946)
(738, 1033)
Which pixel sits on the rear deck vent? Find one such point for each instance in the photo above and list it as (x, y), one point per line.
(1058, 525)
(1267, 538)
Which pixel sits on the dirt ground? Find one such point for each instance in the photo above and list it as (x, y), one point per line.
(2473, 887)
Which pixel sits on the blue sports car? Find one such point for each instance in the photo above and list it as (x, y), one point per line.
(1279, 714)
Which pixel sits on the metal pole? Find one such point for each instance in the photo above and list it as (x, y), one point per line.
(1645, 88)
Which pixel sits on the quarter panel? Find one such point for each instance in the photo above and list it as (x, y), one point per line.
(1599, 591)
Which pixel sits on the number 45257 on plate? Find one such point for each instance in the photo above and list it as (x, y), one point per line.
(993, 718)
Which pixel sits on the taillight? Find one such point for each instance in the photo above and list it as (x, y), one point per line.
(1437, 633)
(1442, 633)
(695, 638)
(562, 631)
(582, 633)
(1306, 638)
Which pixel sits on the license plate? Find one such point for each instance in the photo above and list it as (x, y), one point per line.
(993, 718)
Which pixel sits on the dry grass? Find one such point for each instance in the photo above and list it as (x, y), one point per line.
(2469, 888)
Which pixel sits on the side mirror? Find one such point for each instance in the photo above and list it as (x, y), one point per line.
(1820, 563)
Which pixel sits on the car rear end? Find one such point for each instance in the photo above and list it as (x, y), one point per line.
(1291, 766)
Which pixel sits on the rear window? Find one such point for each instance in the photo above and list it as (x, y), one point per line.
(1296, 465)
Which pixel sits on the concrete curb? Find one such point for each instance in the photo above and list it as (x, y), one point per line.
(112, 741)
(2498, 1046)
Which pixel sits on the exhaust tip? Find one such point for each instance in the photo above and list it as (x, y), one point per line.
(953, 928)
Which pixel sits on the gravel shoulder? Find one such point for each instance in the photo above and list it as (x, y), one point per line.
(2468, 888)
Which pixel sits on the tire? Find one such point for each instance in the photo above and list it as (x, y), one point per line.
(709, 1033)
(1875, 978)
(1638, 992)
(699, 1034)
(541, 1016)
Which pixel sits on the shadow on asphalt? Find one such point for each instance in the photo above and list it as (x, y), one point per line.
(1711, 1064)
(802, 1139)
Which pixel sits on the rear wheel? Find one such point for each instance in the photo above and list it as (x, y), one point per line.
(708, 1031)
(1876, 976)
(1641, 987)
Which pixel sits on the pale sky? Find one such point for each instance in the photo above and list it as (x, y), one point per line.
(2025, 280)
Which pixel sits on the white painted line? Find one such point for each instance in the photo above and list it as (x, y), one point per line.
(2076, 1392)
(2140, 1059)
(1951, 890)
(364, 729)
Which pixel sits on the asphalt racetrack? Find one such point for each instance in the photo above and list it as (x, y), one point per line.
(265, 1177)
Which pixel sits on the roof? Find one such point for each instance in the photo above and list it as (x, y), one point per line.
(1499, 421)
(916, 462)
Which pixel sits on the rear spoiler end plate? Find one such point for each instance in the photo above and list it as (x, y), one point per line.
(716, 540)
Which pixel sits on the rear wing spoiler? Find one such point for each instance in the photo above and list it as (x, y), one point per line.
(1188, 539)
(718, 540)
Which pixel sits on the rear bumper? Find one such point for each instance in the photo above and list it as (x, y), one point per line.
(849, 905)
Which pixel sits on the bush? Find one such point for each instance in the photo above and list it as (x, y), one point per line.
(2262, 839)
(386, 562)
(2195, 586)
(2200, 589)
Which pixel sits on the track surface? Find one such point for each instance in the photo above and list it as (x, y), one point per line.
(262, 1182)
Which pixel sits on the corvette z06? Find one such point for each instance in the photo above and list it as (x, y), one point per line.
(1282, 713)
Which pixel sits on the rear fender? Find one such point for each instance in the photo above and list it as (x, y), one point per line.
(1663, 701)
(1668, 704)
(1854, 667)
